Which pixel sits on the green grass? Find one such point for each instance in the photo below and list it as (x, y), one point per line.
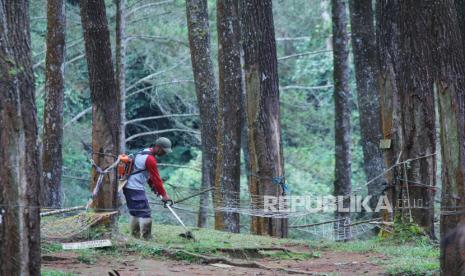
(55, 273)
(207, 240)
(403, 258)
(415, 257)
(87, 256)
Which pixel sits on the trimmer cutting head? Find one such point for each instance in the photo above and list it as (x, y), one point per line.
(188, 235)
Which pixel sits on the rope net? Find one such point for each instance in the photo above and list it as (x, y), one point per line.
(67, 227)
(243, 203)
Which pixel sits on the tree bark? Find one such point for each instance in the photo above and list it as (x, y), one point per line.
(227, 172)
(206, 90)
(120, 65)
(343, 112)
(387, 39)
(449, 61)
(266, 169)
(418, 108)
(19, 173)
(409, 121)
(52, 159)
(106, 102)
(366, 72)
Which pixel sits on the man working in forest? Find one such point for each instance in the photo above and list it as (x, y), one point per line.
(145, 171)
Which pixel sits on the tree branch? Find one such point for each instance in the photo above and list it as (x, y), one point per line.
(159, 117)
(304, 54)
(148, 77)
(210, 260)
(299, 87)
(154, 37)
(78, 116)
(159, 132)
(146, 6)
(157, 85)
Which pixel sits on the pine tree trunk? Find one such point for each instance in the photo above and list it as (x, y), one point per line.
(227, 172)
(449, 61)
(120, 65)
(19, 173)
(418, 108)
(52, 160)
(206, 90)
(409, 111)
(266, 165)
(387, 39)
(106, 102)
(342, 97)
(366, 72)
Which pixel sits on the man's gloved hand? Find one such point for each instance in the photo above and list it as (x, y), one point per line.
(166, 201)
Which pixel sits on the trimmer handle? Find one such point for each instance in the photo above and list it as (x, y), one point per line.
(166, 203)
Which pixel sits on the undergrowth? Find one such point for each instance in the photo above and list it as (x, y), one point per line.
(405, 253)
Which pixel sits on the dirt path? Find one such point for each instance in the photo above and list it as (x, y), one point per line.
(339, 263)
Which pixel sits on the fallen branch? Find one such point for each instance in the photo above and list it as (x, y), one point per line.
(61, 211)
(314, 224)
(211, 260)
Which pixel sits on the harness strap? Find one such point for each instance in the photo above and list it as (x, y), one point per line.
(134, 160)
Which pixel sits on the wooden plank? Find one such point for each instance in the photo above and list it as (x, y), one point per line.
(86, 245)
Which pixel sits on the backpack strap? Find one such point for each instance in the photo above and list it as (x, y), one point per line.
(134, 160)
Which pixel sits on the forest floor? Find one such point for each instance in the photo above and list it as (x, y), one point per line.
(220, 253)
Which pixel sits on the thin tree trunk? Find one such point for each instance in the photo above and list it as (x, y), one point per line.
(106, 102)
(206, 90)
(449, 61)
(412, 103)
(227, 177)
(19, 173)
(366, 72)
(342, 97)
(120, 66)
(52, 159)
(266, 164)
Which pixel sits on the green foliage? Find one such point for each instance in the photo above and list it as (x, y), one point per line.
(86, 256)
(407, 232)
(56, 273)
(413, 258)
(158, 47)
(51, 247)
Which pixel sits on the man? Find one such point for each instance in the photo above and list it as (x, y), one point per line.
(145, 171)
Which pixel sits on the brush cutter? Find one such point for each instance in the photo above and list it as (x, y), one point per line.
(188, 234)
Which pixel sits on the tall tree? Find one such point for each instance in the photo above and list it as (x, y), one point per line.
(387, 39)
(408, 107)
(52, 159)
(120, 65)
(206, 90)
(366, 72)
(105, 100)
(342, 97)
(266, 164)
(227, 172)
(19, 173)
(449, 61)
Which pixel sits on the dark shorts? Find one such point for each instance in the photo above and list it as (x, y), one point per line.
(137, 202)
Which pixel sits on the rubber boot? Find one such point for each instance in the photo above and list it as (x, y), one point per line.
(146, 228)
(135, 226)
